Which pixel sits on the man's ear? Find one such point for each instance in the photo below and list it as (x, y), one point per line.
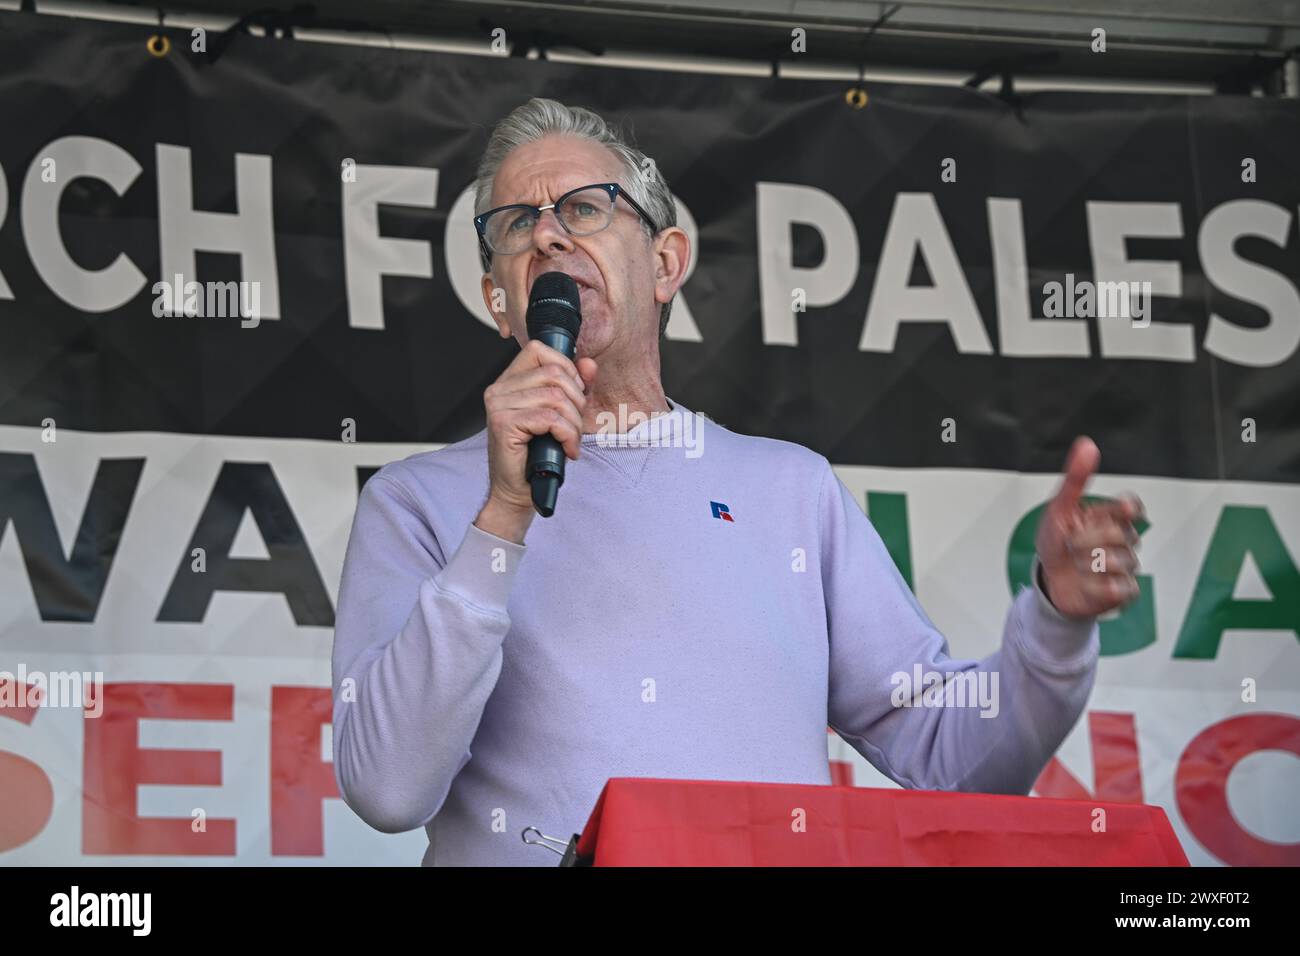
(672, 257)
(494, 295)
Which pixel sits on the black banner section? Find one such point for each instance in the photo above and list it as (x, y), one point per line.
(942, 240)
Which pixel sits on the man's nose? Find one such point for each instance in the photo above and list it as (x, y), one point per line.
(549, 235)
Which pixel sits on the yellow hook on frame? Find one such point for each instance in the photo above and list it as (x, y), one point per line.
(158, 45)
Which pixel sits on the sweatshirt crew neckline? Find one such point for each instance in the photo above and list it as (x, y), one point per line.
(656, 431)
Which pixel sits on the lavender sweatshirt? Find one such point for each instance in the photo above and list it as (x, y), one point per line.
(481, 686)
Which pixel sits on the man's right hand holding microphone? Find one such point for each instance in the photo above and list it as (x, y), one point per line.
(540, 392)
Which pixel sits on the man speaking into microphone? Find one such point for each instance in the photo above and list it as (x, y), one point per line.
(493, 668)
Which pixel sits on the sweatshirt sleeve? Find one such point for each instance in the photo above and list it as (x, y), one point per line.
(417, 652)
(1034, 686)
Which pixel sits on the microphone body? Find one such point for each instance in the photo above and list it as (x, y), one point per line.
(554, 317)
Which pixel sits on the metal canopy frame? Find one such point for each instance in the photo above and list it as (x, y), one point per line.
(1235, 46)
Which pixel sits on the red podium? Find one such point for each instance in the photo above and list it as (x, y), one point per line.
(643, 822)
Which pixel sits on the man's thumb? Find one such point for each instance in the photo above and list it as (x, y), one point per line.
(1080, 465)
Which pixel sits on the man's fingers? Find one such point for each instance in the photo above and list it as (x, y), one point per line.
(536, 352)
(1115, 584)
(1107, 543)
(547, 396)
(1134, 510)
(1102, 561)
(543, 420)
(1111, 535)
(1123, 588)
(509, 388)
(1080, 465)
(1124, 511)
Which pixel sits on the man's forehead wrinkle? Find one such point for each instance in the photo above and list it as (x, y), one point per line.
(542, 187)
(544, 180)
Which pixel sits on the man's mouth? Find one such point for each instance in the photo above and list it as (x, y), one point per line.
(583, 285)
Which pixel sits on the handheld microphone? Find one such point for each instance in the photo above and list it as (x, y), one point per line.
(554, 316)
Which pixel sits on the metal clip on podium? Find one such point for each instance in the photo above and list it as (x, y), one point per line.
(568, 855)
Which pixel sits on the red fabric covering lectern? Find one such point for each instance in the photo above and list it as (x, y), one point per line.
(642, 822)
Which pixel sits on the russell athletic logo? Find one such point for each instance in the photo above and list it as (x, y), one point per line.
(720, 511)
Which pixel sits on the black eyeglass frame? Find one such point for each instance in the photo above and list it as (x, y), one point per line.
(614, 190)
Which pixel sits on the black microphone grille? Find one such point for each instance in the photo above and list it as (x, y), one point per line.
(554, 300)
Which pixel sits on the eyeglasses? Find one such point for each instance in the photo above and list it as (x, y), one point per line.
(584, 211)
